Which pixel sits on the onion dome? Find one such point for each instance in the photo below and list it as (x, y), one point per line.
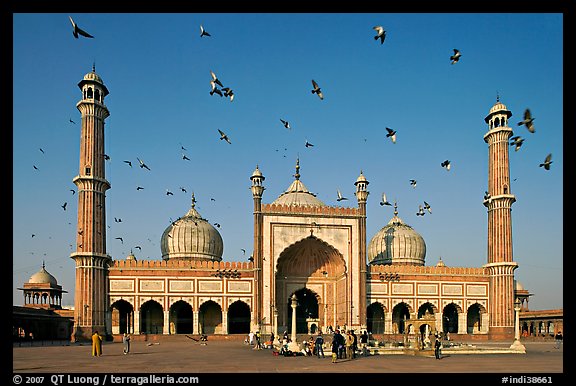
(297, 193)
(93, 77)
(498, 108)
(191, 237)
(397, 244)
(131, 256)
(440, 263)
(42, 277)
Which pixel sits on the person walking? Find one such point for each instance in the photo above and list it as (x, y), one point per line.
(349, 345)
(364, 343)
(335, 347)
(126, 342)
(319, 345)
(437, 347)
(251, 338)
(96, 344)
(558, 338)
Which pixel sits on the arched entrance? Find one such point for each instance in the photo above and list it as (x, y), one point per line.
(474, 318)
(122, 317)
(400, 313)
(375, 318)
(238, 318)
(151, 318)
(306, 311)
(450, 319)
(311, 263)
(181, 318)
(210, 318)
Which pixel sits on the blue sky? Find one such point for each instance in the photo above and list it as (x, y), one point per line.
(157, 69)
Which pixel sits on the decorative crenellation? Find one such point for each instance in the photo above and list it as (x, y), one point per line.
(183, 264)
(310, 209)
(422, 270)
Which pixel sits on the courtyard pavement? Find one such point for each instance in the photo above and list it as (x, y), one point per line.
(235, 359)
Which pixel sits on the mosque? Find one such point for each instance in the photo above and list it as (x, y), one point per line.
(304, 249)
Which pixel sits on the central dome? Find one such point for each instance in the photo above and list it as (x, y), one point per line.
(191, 237)
(42, 277)
(297, 193)
(397, 244)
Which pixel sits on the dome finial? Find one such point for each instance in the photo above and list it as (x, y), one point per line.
(94, 66)
(193, 200)
(297, 175)
(497, 96)
(43, 264)
(395, 208)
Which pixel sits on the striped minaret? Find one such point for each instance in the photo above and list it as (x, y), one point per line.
(257, 188)
(92, 261)
(362, 197)
(499, 200)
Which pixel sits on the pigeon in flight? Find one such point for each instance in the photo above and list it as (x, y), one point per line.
(106, 157)
(486, 195)
(78, 31)
(516, 141)
(71, 121)
(456, 57)
(138, 247)
(34, 166)
(413, 183)
(316, 90)
(215, 79)
(528, 121)
(446, 165)
(169, 193)
(217, 225)
(139, 188)
(121, 239)
(42, 150)
(547, 162)
(223, 136)
(229, 93)
(183, 189)
(215, 89)
(420, 211)
(203, 31)
(185, 158)
(286, 124)
(340, 197)
(308, 144)
(384, 200)
(116, 219)
(142, 164)
(64, 205)
(391, 134)
(129, 163)
(427, 207)
(73, 191)
(380, 33)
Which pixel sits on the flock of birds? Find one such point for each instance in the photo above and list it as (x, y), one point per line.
(218, 88)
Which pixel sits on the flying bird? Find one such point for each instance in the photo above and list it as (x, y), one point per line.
(340, 197)
(528, 121)
(185, 158)
(229, 93)
(243, 251)
(203, 31)
(308, 144)
(138, 247)
(121, 239)
(71, 121)
(169, 193)
(547, 162)
(64, 205)
(420, 211)
(223, 136)
(413, 183)
(116, 219)
(516, 141)
(391, 134)
(183, 189)
(73, 191)
(129, 163)
(456, 57)
(217, 225)
(142, 164)
(446, 165)
(427, 207)
(139, 188)
(215, 89)
(380, 33)
(316, 90)
(286, 124)
(34, 166)
(486, 195)
(78, 31)
(384, 200)
(41, 150)
(215, 79)
(106, 157)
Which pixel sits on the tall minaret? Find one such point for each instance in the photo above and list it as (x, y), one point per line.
(499, 202)
(257, 190)
(362, 196)
(92, 262)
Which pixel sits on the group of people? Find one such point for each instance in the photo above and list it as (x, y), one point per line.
(97, 344)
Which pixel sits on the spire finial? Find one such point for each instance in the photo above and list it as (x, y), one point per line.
(497, 96)
(94, 66)
(43, 264)
(297, 175)
(395, 208)
(193, 200)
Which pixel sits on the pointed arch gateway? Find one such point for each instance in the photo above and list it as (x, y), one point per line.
(314, 268)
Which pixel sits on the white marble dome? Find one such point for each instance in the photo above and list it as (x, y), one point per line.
(397, 244)
(42, 277)
(191, 237)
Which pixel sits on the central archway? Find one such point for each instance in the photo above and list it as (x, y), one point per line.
(306, 311)
(312, 264)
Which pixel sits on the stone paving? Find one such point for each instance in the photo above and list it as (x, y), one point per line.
(235, 357)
